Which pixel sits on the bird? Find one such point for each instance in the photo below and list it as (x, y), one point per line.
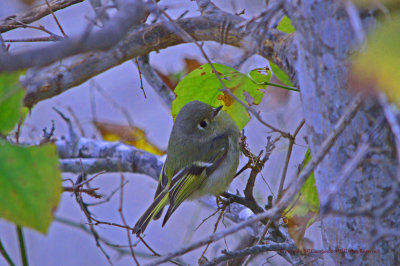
(202, 158)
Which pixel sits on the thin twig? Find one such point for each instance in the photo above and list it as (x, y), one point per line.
(108, 198)
(258, 164)
(113, 102)
(76, 121)
(121, 213)
(215, 229)
(177, 262)
(259, 241)
(89, 191)
(155, 81)
(53, 36)
(34, 13)
(4, 253)
(56, 20)
(140, 77)
(89, 218)
(36, 39)
(84, 228)
(292, 140)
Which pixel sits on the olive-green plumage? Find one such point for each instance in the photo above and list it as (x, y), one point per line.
(202, 158)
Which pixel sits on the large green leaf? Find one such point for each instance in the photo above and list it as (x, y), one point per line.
(303, 211)
(202, 84)
(11, 95)
(30, 185)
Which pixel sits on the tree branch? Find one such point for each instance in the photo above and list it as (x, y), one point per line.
(50, 81)
(93, 156)
(130, 13)
(251, 251)
(33, 14)
(155, 81)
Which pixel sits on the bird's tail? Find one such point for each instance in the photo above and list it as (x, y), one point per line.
(154, 211)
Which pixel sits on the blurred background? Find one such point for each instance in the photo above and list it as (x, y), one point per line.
(68, 245)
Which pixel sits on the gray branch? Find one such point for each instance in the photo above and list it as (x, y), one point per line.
(93, 156)
(155, 81)
(130, 13)
(51, 81)
(33, 14)
(251, 251)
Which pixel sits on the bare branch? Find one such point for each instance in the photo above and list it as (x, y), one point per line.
(48, 82)
(155, 81)
(121, 213)
(130, 13)
(34, 13)
(251, 251)
(292, 140)
(97, 155)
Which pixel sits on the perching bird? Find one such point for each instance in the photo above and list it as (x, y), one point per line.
(202, 158)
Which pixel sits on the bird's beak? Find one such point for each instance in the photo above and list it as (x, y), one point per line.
(216, 111)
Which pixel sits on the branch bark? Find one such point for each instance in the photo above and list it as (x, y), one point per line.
(92, 156)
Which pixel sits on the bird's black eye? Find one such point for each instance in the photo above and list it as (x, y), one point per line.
(203, 124)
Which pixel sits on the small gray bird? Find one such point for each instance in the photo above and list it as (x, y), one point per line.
(202, 158)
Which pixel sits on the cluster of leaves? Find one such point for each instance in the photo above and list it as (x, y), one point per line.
(30, 181)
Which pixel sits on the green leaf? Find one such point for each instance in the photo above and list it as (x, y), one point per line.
(304, 209)
(285, 25)
(11, 96)
(202, 84)
(30, 185)
(377, 66)
(280, 74)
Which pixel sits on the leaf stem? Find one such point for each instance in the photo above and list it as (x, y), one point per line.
(22, 248)
(281, 86)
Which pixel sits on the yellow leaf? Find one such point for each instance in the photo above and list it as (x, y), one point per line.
(130, 135)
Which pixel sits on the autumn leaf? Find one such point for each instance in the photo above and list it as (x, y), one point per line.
(129, 134)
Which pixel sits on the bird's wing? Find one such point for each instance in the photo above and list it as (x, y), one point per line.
(162, 184)
(190, 178)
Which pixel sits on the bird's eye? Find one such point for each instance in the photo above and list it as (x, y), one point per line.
(203, 124)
